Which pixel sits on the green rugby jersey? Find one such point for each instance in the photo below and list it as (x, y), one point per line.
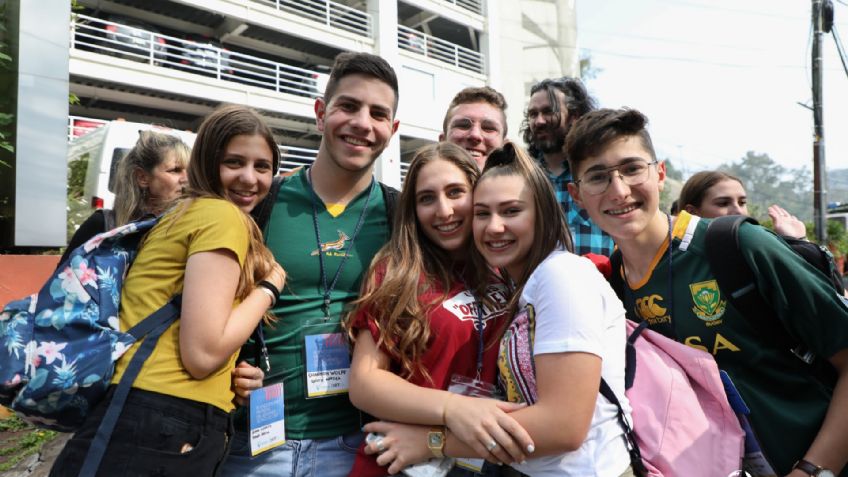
(291, 237)
(787, 403)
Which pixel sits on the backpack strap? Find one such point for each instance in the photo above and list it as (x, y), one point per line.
(151, 328)
(390, 198)
(262, 213)
(636, 463)
(108, 219)
(616, 280)
(737, 282)
(819, 257)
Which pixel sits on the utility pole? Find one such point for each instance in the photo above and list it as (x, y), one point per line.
(819, 172)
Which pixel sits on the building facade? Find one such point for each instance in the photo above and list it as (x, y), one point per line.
(173, 61)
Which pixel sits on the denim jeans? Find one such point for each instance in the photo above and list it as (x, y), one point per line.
(296, 458)
(156, 434)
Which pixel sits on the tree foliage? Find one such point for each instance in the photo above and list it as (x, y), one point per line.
(767, 182)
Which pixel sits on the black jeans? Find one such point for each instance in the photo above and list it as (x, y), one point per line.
(156, 435)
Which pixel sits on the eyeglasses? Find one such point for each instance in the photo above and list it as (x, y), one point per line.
(632, 173)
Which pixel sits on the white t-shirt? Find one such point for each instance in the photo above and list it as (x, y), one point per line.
(567, 306)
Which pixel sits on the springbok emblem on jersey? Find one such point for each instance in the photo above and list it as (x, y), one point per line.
(334, 245)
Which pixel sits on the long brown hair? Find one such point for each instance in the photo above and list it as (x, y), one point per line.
(550, 230)
(391, 292)
(204, 180)
(131, 200)
(695, 189)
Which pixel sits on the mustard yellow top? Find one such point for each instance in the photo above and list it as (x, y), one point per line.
(157, 275)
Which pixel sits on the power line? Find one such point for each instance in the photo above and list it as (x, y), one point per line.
(689, 60)
(735, 10)
(839, 49)
(669, 40)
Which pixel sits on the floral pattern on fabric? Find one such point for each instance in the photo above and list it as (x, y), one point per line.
(517, 373)
(58, 347)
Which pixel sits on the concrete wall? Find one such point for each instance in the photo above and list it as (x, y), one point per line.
(536, 39)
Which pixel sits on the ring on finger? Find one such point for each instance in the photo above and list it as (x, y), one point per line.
(380, 445)
(492, 445)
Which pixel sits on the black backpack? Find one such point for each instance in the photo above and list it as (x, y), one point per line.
(736, 282)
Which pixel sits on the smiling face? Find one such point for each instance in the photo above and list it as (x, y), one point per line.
(246, 170)
(726, 197)
(504, 221)
(443, 206)
(479, 128)
(625, 212)
(357, 123)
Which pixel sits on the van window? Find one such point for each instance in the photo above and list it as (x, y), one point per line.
(117, 155)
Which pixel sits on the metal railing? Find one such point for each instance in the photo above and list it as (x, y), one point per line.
(292, 157)
(207, 59)
(80, 126)
(327, 12)
(440, 50)
(474, 6)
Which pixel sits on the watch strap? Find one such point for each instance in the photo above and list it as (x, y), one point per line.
(436, 441)
(808, 467)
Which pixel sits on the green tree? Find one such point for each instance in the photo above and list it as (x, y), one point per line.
(767, 182)
(672, 172)
(587, 70)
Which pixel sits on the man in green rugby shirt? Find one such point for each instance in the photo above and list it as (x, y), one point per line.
(327, 223)
(799, 420)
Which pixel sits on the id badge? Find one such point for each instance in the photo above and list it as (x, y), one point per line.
(327, 363)
(267, 419)
(474, 388)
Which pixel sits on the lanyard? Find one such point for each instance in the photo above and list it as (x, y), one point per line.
(480, 324)
(478, 320)
(329, 289)
(629, 293)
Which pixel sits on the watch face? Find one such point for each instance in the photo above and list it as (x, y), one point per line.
(825, 473)
(435, 439)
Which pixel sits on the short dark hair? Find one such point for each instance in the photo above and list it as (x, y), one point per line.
(351, 63)
(594, 132)
(577, 101)
(481, 94)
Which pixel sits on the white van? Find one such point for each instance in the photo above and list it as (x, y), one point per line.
(102, 148)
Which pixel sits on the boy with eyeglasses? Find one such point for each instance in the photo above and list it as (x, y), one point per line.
(799, 419)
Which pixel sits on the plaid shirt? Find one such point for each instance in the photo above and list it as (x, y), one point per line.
(587, 236)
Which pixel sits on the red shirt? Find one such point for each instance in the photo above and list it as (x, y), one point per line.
(452, 349)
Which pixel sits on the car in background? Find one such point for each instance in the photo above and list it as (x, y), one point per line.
(201, 55)
(121, 37)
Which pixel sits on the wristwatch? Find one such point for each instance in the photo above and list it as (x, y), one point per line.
(813, 469)
(436, 441)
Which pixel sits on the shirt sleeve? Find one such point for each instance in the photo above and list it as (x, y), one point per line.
(217, 224)
(573, 306)
(802, 297)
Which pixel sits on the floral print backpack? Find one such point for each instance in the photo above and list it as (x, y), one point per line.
(58, 347)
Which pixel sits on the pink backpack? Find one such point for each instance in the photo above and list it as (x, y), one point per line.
(683, 424)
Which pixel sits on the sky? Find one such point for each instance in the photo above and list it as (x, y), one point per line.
(718, 78)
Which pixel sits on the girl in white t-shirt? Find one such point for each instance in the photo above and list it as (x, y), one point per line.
(567, 329)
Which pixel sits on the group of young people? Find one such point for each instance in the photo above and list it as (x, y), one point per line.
(477, 330)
